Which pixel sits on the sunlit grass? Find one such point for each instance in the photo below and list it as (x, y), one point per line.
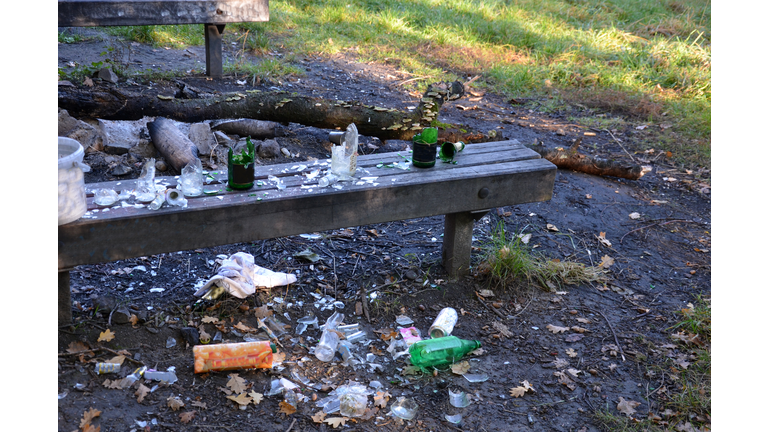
(655, 51)
(510, 262)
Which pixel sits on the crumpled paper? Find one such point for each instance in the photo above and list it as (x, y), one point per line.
(239, 276)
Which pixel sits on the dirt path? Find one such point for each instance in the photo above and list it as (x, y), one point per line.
(661, 262)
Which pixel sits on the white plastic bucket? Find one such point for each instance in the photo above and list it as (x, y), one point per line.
(72, 205)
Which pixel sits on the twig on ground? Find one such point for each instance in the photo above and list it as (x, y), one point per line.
(654, 224)
(291, 426)
(364, 301)
(615, 338)
(413, 79)
(491, 308)
(618, 141)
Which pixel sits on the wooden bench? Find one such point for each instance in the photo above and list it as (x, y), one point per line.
(486, 176)
(213, 14)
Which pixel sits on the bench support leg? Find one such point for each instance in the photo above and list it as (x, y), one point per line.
(213, 60)
(457, 243)
(65, 301)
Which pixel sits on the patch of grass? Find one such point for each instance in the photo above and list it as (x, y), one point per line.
(686, 395)
(268, 69)
(174, 36)
(510, 261)
(66, 38)
(638, 58)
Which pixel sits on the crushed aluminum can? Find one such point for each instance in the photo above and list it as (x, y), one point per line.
(102, 368)
(444, 323)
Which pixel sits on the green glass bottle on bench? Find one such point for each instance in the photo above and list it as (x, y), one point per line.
(439, 352)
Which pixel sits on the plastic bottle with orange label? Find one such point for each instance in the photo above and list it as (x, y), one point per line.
(230, 356)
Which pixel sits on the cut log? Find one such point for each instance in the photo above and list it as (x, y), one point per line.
(112, 103)
(256, 129)
(170, 142)
(573, 160)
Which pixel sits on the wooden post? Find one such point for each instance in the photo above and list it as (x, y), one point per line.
(457, 243)
(65, 301)
(213, 59)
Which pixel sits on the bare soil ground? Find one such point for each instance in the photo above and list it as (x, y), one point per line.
(661, 262)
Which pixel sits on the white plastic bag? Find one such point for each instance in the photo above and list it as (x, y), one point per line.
(239, 276)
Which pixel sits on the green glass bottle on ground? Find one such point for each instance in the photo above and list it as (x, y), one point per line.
(440, 352)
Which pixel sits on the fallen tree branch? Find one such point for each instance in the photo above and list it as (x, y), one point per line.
(573, 160)
(112, 103)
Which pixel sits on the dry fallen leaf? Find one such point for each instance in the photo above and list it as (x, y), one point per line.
(336, 421)
(77, 346)
(571, 352)
(256, 397)
(262, 312)
(134, 320)
(575, 337)
(141, 393)
(210, 319)
(117, 359)
(560, 363)
(187, 417)
(278, 358)
(318, 417)
(525, 238)
(627, 406)
(237, 384)
(584, 320)
(517, 391)
(606, 261)
(287, 408)
(175, 402)
(604, 240)
(381, 399)
(552, 228)
(106, 336)
(199, 404)
(610, 348)
(501, 328)
(565, 380)
(111, 384)
(634, 215)
(460, 368)
(88, 416)
(241, 399)
(555, 329)
(574, 372)
(579, 329)
(204, 336)
(243, 327)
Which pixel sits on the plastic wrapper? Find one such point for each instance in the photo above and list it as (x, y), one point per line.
(239, 276)
(231, 356)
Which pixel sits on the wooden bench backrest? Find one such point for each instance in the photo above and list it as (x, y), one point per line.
(101, 13)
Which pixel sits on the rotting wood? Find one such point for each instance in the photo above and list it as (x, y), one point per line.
(571, 159)
(256, 129)
(111, 103)
(175, 147)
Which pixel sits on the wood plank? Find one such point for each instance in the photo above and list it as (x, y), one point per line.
(99, 13)
(234, 218)
(473, 155)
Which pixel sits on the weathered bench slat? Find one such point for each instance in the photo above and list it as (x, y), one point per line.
(504, 151)
(103, 13)
(268, 213)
